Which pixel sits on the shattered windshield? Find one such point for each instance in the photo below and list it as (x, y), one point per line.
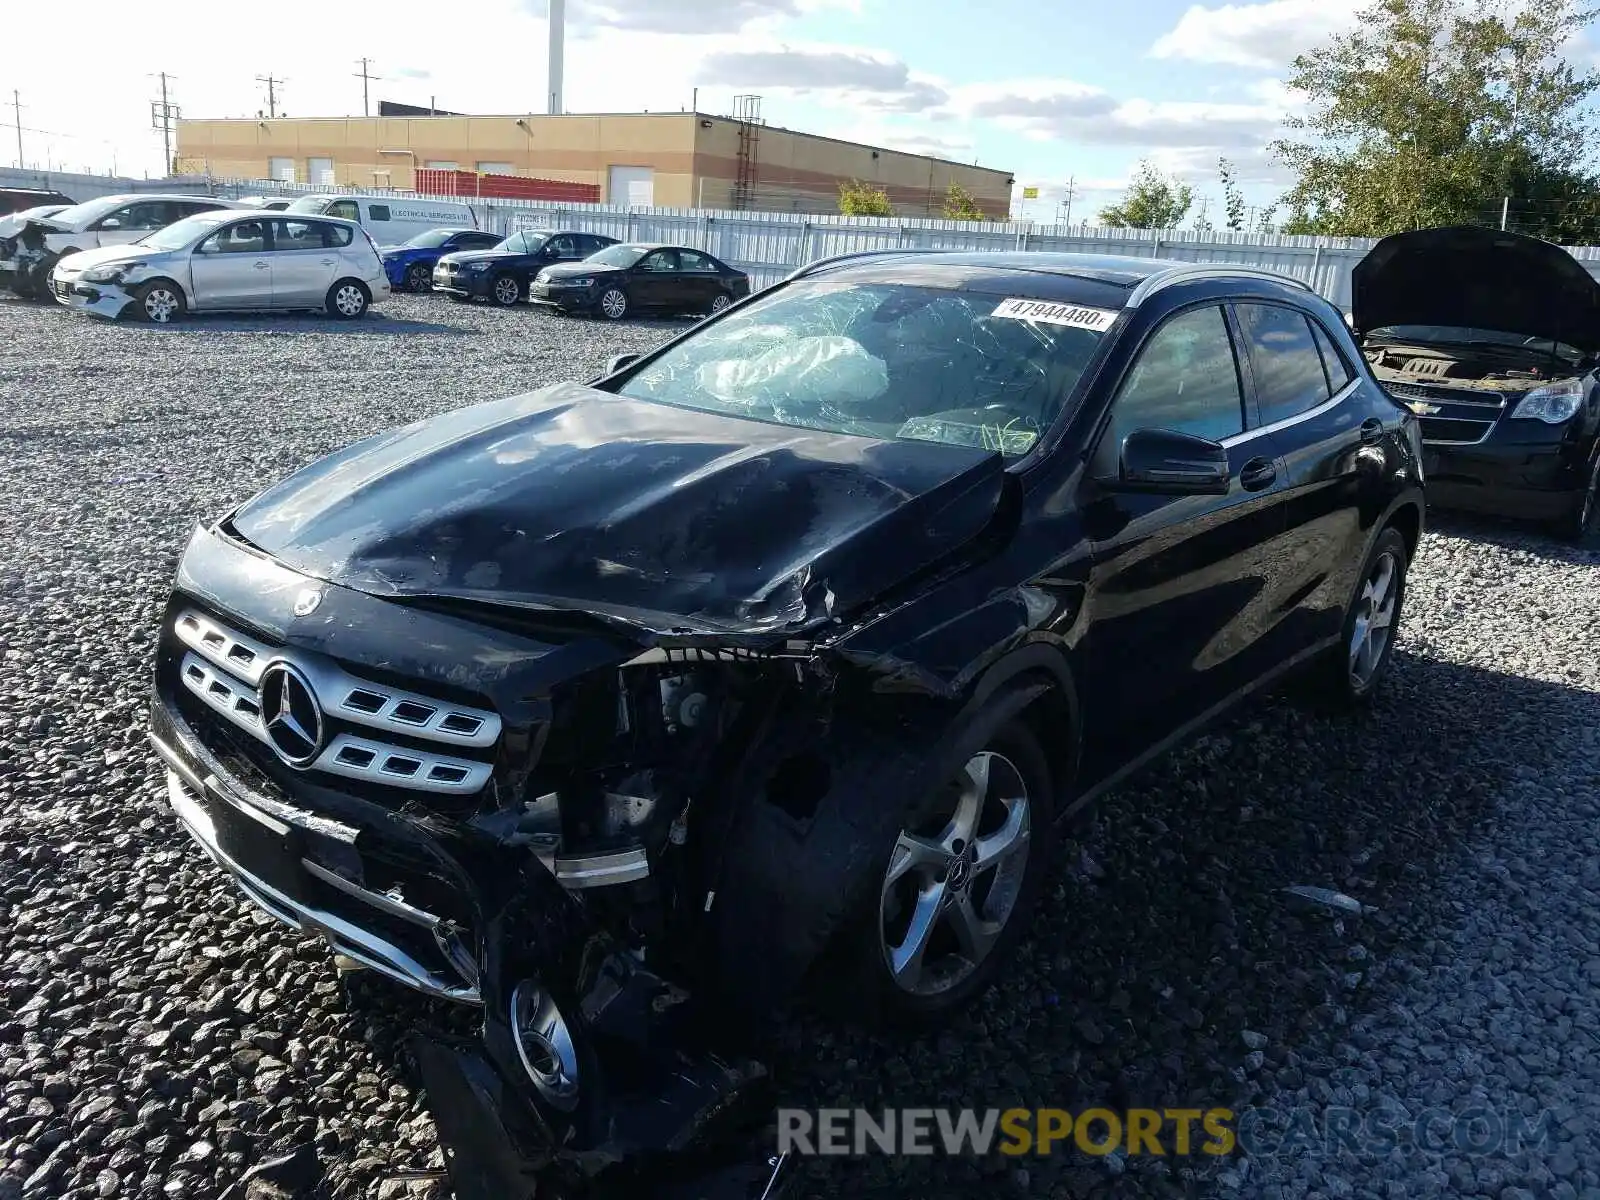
(886, 361)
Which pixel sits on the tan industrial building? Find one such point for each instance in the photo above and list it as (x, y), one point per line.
(673, 160)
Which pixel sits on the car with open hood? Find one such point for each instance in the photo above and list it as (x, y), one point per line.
(770, 660)
(504, 272)
(633, 277)
(1492, 338)
(410, 264)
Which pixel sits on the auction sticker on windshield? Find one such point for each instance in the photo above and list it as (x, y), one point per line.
(1075, 316)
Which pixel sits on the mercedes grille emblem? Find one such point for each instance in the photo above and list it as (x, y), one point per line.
(290, 714)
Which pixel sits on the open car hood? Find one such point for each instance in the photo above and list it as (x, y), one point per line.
(1477, 278)
(671, 519)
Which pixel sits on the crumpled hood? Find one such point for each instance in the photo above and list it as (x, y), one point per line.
(101, 255)
(1480, 279)
(574, 498)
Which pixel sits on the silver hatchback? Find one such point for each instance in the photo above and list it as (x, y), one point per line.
(228, 261)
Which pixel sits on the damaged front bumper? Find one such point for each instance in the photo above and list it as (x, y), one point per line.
(97, 299)
(593, 1077)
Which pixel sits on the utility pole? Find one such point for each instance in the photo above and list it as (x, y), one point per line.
(162, 114)
(1072, 189)
(365, 77)
(272, 93)
(16, 106)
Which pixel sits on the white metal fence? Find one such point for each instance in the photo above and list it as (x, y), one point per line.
(769, 245)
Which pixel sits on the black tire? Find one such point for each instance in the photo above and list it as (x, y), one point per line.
(1577, 524)
(1336, 682)
(612, 304)
(418, 278)
(347, 300)
(159, 302)
(505, 291)
(869, 991)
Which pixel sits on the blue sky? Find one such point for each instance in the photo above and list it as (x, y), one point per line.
(1049, 91)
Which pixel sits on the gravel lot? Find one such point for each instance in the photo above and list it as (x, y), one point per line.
(158, 1039)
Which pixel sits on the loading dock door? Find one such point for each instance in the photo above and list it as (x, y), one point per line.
(633, 186)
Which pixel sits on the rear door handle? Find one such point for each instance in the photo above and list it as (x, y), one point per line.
(261, 266)
(1371, 430)
(329, 262)
(1257, 474)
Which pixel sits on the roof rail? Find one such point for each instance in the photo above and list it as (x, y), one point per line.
(1190, 271)
(817, 264)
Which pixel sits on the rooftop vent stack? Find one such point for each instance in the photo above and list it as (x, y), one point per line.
(558, 20)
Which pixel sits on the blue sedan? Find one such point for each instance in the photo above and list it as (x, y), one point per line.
(410, 265)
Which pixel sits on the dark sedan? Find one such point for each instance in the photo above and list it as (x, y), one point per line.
(632, 278)
(774, 658)
(1493, 339)
(503, 273)
(409, 265)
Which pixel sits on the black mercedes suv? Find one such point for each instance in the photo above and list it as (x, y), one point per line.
(617, 708)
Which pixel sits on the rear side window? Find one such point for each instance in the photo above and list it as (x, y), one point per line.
(1185, 379)
(1332, 361)
(378, 212)
(1284, 360)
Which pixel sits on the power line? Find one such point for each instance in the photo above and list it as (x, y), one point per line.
(162, 115)
(366, 106)
(272, 93)
(16, 105)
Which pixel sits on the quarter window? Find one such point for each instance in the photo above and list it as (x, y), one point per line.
(1332, 361)
(1185, 379)
(1284, 360)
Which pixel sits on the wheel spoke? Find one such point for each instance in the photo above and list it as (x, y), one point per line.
(974, 784)
(974, 935)
(994, 848)
(1382, 580)
(913, 853)
(905, 960)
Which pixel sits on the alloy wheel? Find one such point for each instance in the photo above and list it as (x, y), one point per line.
(506, 291)
(161, 305)
(1374, 618)
(948, 894)
(614, 303)
(1591, 498)
(349, 300)
(720, 302)
(419, 279)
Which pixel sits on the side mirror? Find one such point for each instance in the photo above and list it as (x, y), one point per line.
(618, 362)
(111, 223)
(1161, 460)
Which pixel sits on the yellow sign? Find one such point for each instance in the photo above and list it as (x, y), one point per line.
(1030, 193)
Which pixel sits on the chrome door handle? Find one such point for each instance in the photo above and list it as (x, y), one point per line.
(261, 266)
(330, 262)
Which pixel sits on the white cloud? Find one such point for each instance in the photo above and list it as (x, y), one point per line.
(1060, 110)
(677, 16)
(1267, 35)
(856, 77)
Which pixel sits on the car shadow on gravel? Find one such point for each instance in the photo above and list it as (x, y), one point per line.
(1168, 968)
(1508, 534)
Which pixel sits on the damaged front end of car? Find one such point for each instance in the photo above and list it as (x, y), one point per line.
(25, 261)
(626, 834)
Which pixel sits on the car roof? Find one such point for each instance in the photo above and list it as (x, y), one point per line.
(1048, 274)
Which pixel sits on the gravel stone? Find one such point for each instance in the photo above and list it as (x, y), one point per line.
(141, 996)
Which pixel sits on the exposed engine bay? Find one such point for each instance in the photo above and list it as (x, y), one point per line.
(1493, 368)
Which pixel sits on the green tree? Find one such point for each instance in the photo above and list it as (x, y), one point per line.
(960, 206)
(857, 199)
(1430, 112)
(1232, 197)
(1152, 201)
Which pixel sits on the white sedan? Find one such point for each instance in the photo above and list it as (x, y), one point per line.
(228, 261)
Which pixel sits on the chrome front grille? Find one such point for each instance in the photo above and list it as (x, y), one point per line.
(224, 670)
(1450, 416)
